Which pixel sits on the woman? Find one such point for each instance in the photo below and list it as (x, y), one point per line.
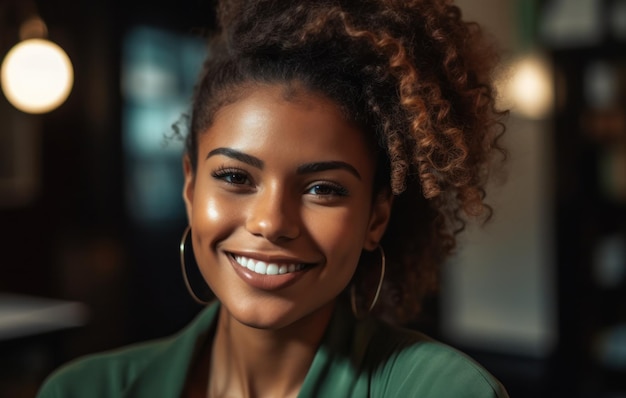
(322, 132)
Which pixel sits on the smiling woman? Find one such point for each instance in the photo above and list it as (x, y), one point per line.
(285, 182)
(321, 133)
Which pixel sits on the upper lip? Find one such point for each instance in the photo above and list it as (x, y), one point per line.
(269, 257)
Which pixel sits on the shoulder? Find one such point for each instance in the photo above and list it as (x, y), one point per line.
(153, 368)
(106, 374)
(407, 363)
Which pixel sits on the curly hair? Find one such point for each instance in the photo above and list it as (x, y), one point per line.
(412, 75)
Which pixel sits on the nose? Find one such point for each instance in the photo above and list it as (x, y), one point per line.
(274, 215)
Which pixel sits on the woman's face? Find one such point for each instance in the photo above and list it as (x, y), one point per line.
(281, 206)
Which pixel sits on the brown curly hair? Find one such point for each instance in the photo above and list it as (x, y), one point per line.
(410, 73)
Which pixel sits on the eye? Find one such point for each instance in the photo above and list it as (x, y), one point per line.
(326, 189)
(232, 176)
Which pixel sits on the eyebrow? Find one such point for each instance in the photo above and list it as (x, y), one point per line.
(238, 155)
(331, 165)
(306, 168)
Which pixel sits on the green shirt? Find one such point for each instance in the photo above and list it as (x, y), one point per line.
(357, 358)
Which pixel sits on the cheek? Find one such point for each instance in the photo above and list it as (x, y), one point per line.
(340, 234)
(213, 218)
(209, 211)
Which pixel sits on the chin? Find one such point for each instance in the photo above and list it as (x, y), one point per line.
(262, 324)
(267, 314)
(275, 316)
(268, 322)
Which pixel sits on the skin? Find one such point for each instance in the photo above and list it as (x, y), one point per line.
(283, 181)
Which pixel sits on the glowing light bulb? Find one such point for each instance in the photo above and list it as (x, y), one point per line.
(530, 87)
(36, 76)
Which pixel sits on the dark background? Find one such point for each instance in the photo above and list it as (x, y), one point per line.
(78, 215)
(74, 239)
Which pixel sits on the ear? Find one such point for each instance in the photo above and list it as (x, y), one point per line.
(379, 218)
(188, 187)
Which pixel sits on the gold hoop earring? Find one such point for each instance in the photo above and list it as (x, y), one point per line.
(378, 288)
(183, 268)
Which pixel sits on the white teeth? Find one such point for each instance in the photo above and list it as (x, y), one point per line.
(260, 267)
(272, 269)
(263, 268)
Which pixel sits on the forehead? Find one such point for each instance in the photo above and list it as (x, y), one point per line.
(274, 99)
(289, 119)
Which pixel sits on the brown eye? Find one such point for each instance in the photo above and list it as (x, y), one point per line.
(235, 178)
(232, 176)
(326, 189)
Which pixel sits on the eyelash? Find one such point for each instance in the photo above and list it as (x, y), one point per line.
(336, 189)
(223, 173)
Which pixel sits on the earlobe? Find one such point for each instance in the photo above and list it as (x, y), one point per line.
(381, 212)
(189, 185)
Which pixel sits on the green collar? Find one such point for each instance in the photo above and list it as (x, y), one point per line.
(337, 358)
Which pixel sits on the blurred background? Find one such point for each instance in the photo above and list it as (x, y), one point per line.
(91, 212)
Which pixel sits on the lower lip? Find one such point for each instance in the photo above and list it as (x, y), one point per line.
(266, 282)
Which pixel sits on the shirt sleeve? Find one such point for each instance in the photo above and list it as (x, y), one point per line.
(106, 374)
(69, 381)
(430, 369)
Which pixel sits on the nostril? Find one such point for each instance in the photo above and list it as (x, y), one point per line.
(277, 227)
(273, 215)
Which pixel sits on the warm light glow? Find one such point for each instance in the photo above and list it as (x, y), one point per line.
(529, 91)
(36, 76)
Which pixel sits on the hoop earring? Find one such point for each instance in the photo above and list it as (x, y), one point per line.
(183, 268)
(378, 288)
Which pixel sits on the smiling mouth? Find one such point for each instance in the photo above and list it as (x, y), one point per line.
(267, 268)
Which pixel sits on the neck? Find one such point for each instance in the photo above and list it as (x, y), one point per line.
(252, 362)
